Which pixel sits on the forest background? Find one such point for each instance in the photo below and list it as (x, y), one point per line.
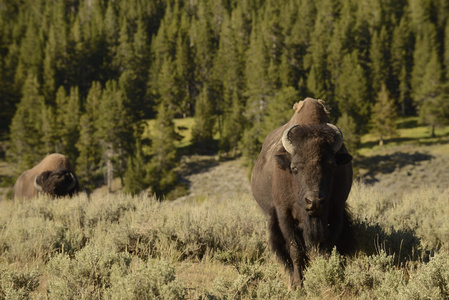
(83, 77)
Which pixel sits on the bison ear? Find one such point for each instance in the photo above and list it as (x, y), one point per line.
(283, 160)
(342, 158)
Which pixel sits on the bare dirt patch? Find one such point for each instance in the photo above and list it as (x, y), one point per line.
(404, 168)
(207, 177)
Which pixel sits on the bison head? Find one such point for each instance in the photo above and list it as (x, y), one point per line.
(57, 183)
(311, 156)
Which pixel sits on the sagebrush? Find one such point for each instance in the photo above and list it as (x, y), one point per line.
(117, 246)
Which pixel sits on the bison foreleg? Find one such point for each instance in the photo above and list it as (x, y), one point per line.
(293, 255)
(277, 241)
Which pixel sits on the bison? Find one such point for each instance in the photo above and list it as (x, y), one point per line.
(301, 179)
(54, 176)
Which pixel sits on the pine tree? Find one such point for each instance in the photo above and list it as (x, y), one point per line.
(202, 131)
(402, 63)
(167, 86)
(26, 132)
(379, 55)
(318, 82)
(258, 92)
(425, 46)
(430, 97)
(114, 130)
(384, 116)
(161, 175)
(50, 138)
(202, 40)
(90, 151)
(233, 126)
(184, 67)
(351, 91)
(135, 175)
(67, 120)
(349, 129)
(279, 109)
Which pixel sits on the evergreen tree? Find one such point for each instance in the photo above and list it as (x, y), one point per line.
(431, 98)
(233, 126)
(161, 175)
(351, 92)
(349, 129)
(202, 40)
(379, 55)
(114, 130)
(184, 67)
(318, 81)
(425, 46)
(50, 138)
(135, 175)
(279, 109)
(26, 147)
(167, 86)
(90, 153)
(384, 116)
(402, 63)
(446, 49)
(258, 91)
(67, 120)
(202, 131)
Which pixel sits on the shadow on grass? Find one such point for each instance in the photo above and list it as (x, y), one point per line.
(386, 164)
(403, 244)
(423, 141)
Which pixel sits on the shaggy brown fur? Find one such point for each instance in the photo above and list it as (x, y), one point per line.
(304, 192)
(54, 174)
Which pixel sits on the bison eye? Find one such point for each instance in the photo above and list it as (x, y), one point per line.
(294, 170)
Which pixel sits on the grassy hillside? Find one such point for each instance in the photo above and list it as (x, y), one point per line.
(212, 243)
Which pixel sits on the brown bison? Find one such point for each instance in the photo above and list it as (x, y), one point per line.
(54, 176)
(302, 179)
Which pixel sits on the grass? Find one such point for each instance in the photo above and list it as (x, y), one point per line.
(121, 247)
(183, 127)
(114, 246)
(410, 134)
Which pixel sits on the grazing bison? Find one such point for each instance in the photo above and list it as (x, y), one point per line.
(54, 176)
(302, 179)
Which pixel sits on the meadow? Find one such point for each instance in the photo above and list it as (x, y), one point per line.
(114, 246)
(212, 244)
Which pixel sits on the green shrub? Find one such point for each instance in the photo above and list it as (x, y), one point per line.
(87, 275)
(18, 284)
(375, 274)
(325, 275)
(429, 280)
(152, 280)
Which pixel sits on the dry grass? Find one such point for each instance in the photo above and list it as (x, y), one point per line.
(117, 246)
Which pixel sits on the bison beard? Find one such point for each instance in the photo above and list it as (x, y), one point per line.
(57, 183)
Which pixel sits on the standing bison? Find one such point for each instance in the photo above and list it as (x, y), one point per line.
(302, 179)
(54, 176)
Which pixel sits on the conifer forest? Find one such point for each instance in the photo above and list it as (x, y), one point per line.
(85, 77)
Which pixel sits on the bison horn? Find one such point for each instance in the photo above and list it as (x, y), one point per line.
(36, 185)
(73, 183)
(339, 138)
(286, 142)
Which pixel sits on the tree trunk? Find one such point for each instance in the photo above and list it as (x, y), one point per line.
(110, 171)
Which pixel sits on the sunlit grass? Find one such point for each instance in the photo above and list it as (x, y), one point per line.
(183, 127)
(409, 133)
(116, 246)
